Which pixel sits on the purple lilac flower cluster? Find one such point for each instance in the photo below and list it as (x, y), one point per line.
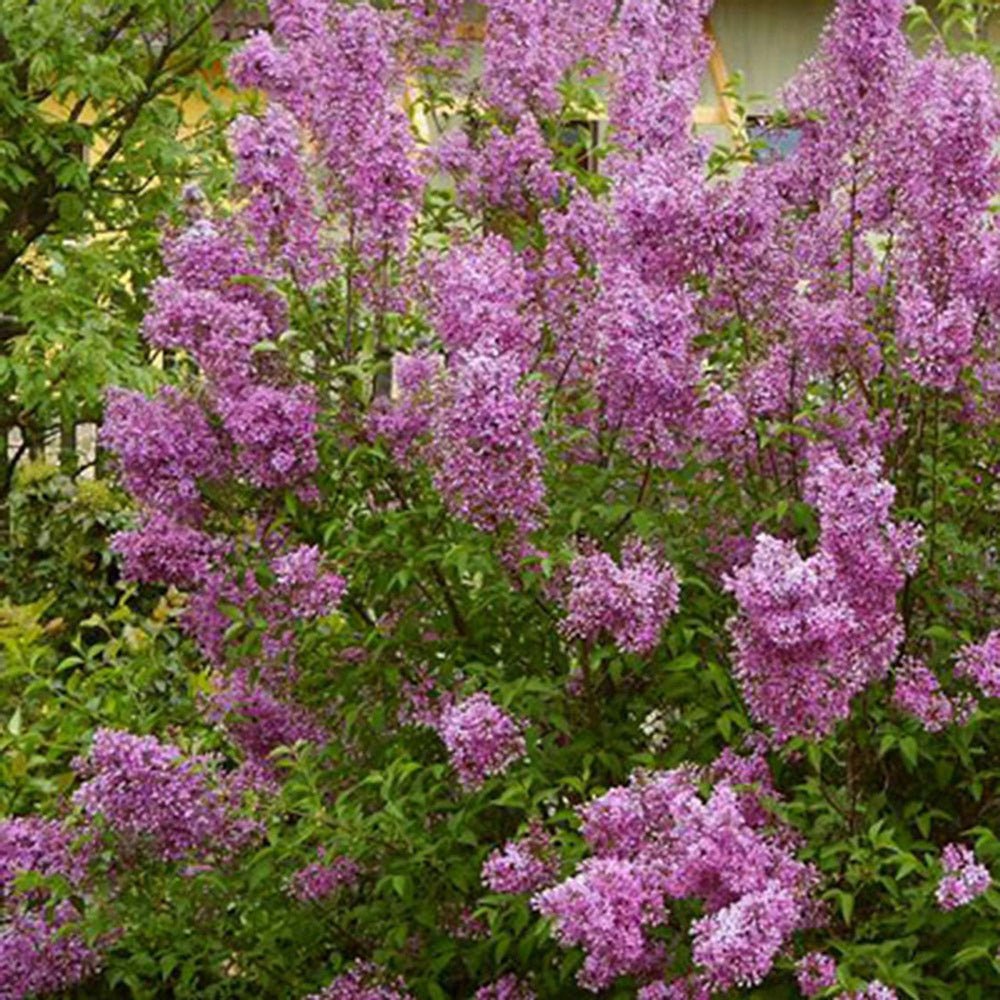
(258, 721)
(482, 740)
(487, 464)
(323, 878)
(658, 840)
(875, 990)
(629, 603)
(165, 447)
(44, 846)
(40, 951)
(363, 981)
(281, 210)
(525, 865)
(474, 419)
(245, 427)
(814, 632)
(153, 798)
(918, 692)
(815, 972)
(507, 988)
(964, 880)
(331, 69)
(980, 663)
(533, 45)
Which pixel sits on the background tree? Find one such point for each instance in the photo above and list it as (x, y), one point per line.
(106, 109)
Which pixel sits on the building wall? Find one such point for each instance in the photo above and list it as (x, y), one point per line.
(767, 40)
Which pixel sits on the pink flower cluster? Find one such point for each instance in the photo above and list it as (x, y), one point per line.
(482, 740)
(40, 951)
(629, 602)
(479, 299)
(506, 988)
(524, 865)
(917, 692)
(980, 663)
(321, 879)
(657, 840)
(244, 430)
(813, 632)
(153, 798)
(815, 972)
(964, 880)
(274, 432)
(163, 550)
(607, 909)
(363, 981)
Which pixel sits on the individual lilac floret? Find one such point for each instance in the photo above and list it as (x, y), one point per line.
(524, 865)
(363, 981)
(482, 740)
(965, 879)
(321, 879)
(507, 988)
(980, 663)
(152, 796)
(629, 602)
(815, 972)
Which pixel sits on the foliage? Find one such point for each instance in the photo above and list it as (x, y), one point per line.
(59, 541)
(586, 566)
(99, 113)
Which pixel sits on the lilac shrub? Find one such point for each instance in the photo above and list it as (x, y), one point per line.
(585, 565)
